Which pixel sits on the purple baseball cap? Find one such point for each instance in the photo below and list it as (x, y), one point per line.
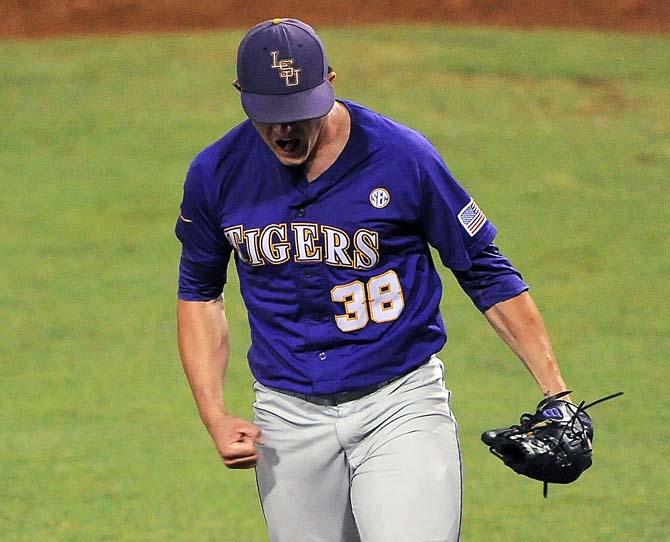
(282, 73)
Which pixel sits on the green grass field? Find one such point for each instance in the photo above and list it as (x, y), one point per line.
(563, 137)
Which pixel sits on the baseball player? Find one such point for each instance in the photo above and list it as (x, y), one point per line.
(329, 210)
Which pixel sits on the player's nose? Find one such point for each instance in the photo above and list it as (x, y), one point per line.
(282, 129)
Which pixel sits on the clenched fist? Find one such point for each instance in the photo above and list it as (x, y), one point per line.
(236, 441)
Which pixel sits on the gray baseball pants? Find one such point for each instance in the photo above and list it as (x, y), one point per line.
(383, 468)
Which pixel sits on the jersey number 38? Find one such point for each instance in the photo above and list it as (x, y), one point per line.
(380, 300)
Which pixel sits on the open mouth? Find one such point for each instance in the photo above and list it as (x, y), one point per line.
(288, 145)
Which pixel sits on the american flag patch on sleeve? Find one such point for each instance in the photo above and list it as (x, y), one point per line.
(471, 218)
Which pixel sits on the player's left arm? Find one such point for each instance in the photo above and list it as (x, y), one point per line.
(500, 293)
(518, 322)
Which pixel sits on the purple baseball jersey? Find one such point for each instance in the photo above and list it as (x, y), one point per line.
(336, 275)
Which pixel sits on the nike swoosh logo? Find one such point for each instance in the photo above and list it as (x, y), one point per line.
(185, 219)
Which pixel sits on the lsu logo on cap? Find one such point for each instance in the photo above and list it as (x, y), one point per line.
(380, 198)
(287, 72)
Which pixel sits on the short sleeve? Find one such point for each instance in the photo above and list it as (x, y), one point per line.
(451, 220)
(491, 279)
(205, 252)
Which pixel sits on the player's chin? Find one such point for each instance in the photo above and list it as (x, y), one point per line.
(292, 160)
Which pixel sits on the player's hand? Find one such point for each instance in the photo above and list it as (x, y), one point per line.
(236, 441)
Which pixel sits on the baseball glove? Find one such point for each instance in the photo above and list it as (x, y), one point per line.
(552, 445)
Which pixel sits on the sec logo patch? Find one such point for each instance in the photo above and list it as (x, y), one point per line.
(380, 198)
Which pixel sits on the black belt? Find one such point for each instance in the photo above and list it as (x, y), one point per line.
(335, 399)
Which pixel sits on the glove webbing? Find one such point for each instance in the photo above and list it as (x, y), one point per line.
(580, 408)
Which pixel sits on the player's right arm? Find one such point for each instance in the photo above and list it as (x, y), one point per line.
(202, 332)
(201, 321)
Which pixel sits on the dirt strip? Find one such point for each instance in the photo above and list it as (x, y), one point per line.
(40, 18)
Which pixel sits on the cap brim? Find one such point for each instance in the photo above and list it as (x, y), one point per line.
(279, 108)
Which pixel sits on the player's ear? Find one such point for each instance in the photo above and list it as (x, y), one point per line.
(236, 84)
(331, 75)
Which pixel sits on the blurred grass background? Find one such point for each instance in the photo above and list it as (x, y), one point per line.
(563, 138)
